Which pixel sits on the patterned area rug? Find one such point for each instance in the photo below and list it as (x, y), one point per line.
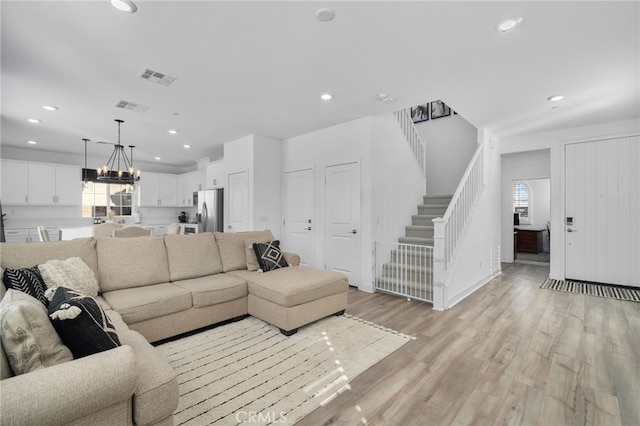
(248, 372)
(593, 289)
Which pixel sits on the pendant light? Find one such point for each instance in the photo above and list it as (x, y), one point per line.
(119, 167)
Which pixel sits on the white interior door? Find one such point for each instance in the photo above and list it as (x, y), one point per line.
(238, 202)
(342, 220)
(298, 223)
(602, 192)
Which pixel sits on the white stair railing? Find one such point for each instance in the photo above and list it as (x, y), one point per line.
(449, 230)
(413, 138)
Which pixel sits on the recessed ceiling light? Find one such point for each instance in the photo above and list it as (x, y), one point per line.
(33, 120)
(187, 146)
(124, 5)
(383, 97)
(32, 142)
(509, 24)
(326, 96)
(173, 132)
(325, 14)
(157, 158)
(555, 98)
(50, 107)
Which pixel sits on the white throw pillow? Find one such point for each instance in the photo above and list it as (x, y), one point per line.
(28, 337)
(71, 273)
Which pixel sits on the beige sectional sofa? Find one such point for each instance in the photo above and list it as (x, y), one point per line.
(153, 288)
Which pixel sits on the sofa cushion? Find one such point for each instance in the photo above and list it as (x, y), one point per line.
(294, 285)
(232, 247)
(28, 338)
(250, 253)
(29, 254)
(28, 281)
(132, 262)
(192, 255)
(142, 303)
(269, 256)
(214, 289)
(81, 323)
(70, 273)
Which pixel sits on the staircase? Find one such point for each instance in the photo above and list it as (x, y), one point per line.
(406, 268)
(420, 232)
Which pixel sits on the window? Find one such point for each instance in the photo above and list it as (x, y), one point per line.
(521, 201)
(98, 198)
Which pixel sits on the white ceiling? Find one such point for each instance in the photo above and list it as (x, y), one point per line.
(260, 67)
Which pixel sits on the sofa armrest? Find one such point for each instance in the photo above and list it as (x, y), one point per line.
(71, 390)
(291, 258)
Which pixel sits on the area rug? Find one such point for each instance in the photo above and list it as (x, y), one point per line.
(248, 372)
(594, 289)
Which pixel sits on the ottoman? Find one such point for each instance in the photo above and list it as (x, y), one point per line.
(294, 296)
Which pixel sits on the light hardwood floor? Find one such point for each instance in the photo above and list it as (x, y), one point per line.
(511, 353)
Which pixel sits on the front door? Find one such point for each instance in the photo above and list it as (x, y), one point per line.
(298, 223)
(602, 192)
(342, 220)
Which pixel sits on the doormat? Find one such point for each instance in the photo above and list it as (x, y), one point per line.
(594, 289)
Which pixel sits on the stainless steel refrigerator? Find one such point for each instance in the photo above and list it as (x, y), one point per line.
(210, 210)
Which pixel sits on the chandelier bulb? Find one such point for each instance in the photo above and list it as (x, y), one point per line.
(119, 173)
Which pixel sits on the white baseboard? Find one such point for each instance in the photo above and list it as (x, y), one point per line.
(461, 295)
(366, 288)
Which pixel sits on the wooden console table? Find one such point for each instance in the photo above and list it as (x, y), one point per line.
(529, 240)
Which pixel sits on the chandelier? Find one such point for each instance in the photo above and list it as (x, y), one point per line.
(119, 167)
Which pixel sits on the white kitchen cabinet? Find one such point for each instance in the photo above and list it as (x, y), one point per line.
(157, 190)
(188, 183)
(29, 235)
(40, 184)
(158, 229)
(14, 183)
(68, 186)
(17, 235)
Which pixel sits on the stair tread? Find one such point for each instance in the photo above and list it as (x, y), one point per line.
(425, 227)
(415, 240)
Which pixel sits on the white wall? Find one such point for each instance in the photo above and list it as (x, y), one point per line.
(261, 158)
(267, 183)
(96, 156)
(520, 166)
(555, 141)
(345, 143)
(397, 181)
(539, 202)
(391, 184)
(450, 144)
(479, 257)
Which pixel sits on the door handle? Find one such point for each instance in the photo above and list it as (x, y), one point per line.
(308, 228)
(353, 231)
(571, 230)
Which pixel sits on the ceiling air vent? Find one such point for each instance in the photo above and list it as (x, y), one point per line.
(131, 106)
(156, 77)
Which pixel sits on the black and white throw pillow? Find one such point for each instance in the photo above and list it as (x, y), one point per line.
(26, 280)
(269, 256)
(81, 323)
